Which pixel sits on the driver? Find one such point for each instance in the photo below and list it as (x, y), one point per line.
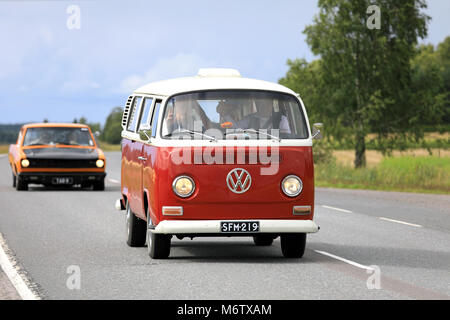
(45, 137)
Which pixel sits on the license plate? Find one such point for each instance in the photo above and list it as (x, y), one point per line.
(62, 180)
(239, 227)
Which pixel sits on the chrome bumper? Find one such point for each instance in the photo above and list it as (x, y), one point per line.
(213, 226)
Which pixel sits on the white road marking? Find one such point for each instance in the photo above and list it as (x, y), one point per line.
(402, 222)
(22, 289)
(114, 181)
(337, 209)
(355, 264)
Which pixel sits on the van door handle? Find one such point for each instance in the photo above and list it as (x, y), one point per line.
(142, 158)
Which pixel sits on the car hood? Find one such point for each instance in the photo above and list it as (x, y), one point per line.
(61, 153)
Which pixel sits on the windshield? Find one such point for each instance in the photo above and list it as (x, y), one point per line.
(58, 135)
(235, 114)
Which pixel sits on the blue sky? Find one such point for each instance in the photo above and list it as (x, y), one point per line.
(49, 71)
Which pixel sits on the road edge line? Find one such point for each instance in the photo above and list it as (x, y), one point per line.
(25, 292)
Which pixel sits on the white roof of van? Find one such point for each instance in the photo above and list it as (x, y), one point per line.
(210, 79)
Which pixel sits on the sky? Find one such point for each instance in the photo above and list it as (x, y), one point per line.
(52, 67)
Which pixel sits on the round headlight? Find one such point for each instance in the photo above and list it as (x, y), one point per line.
(25, 163)
(292, 186)
(100, 163)
(183, 186)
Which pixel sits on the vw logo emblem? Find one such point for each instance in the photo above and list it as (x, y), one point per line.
(239, 180)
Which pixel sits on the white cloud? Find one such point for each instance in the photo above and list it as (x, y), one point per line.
(180, 65)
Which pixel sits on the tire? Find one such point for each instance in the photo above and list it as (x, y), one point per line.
(263, 240)
(20, 185)
(158, 244)
(293, 245)
(100, 185)
(136, 229)
(14, 179)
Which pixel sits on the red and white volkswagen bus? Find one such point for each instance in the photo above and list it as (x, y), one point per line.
(217, 155)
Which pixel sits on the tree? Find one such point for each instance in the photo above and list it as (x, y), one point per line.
(367, 82)
(82, 120)
(443, 57)
(306, 79)
(95, 126)
(428, 84)
(113, 126)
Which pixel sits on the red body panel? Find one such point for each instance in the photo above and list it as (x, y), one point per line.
(212, 199)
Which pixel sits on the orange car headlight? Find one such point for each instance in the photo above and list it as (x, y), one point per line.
(100, 163)
(25, 163)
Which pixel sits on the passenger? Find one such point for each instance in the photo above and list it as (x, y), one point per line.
(268, 113)
(230, 115)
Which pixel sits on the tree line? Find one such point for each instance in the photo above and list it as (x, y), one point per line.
(109, 133)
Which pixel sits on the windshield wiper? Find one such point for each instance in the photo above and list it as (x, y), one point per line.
(192, 132)
(238, 131)
(262, 132)
(66, 144)
(33, 144)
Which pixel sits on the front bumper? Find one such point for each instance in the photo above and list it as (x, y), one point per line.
(212, 227)
(47, 177)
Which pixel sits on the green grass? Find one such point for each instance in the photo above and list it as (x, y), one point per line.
(410, 174)
(108, 147)
(4, 148)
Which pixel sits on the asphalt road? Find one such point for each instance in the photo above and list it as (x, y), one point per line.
(404, 238)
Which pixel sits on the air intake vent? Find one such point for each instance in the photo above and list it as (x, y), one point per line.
(126, 111)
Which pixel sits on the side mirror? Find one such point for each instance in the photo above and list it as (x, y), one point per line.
(144, 134)
(97, 134)
(316, 134)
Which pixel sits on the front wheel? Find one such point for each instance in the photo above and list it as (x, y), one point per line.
(14, 180)
(293, 245)
(136, 229)
(158, 244)
(20, 185)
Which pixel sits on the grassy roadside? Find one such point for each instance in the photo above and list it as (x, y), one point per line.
(4, 148)
(424, 174)
(108, 147)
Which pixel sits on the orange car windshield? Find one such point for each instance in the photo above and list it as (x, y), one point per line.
(58, 136)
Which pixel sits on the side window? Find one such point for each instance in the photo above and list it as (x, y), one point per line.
(155, 118)
(134, 114)
(146, 109)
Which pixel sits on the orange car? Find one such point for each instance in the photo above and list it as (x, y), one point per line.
(55, 154)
